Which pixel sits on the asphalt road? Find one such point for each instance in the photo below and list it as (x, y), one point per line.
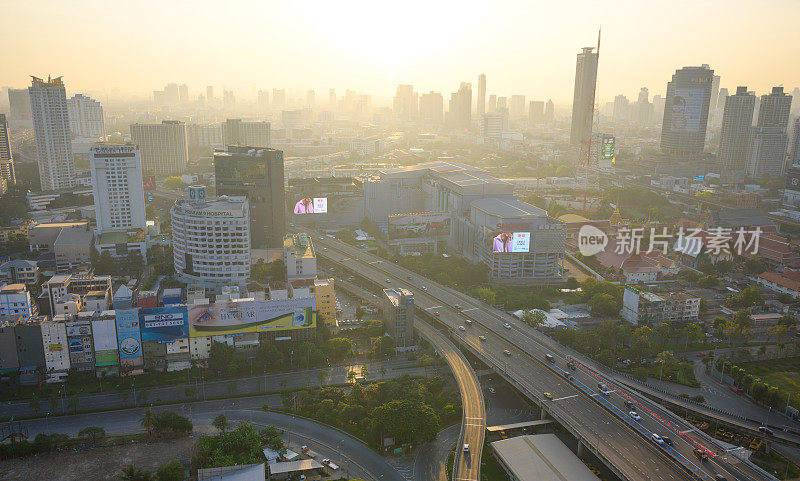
(473, 426)
(355, 459)
(337, 374)
(634, 456)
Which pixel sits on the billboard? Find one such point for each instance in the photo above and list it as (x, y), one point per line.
(687, 109)
(309, 205)
(236, 317)
(104, 333)
(423, 224)
(607, 150)
(76, 329)
(512, 242)
(128, 337)
(163, 324)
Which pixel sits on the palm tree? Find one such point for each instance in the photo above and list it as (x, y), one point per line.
(148, 420)
(220, 422)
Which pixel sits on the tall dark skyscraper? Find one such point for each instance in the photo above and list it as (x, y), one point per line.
(583, 98)
(683, 132)
(257, 173)
(7, 174)
(794, 151)
(737, 120)
(481, 94)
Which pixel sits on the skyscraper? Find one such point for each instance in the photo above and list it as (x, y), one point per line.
(621, 109)
(7, 173)
(20, 109)
(767, 153)
(492, 103)
(311, 98)
(516, 106)
(794, 150)
(536, 112)
(257, 173)
(460, 113)
(279, 97)
(583, 97)
(239, 132)
(332, 99)
(405, 102)
(714, 92)
(549, 112)
(183, 94)
(116, 170)
(86, 117)
(431, 108)
(210, 94)
(263, 99)
(683, 132)
(644, 109)
(481, 94)
(51, 130)
(163, 147)
(737, 120)
(723, 95)
(228, 100)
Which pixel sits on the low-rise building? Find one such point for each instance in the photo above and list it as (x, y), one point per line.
(56, 350)
(784, 282)
(42, 237)
(326, 300)
(19, 271)
(299, 257)
(15, 302)
(119, 244)
(97, 301)
(8, 232)
(73, 249)
(641, 307)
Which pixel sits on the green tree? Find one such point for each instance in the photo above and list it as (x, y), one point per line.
(486, 295)
(148, 420)
(534, 318)
(321, 376)
(351, 375)
(221, 423)
(406, 421)
(132, 473)
(382, 372)
(360, 313)
(364, 371)
(339, 348)
(692, 333)
(94, 433)
(172, 471)
(603, 305)
(174, 183)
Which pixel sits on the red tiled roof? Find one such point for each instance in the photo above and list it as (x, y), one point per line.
(780, 280)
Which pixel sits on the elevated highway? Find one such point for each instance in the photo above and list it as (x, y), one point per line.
(602, 424)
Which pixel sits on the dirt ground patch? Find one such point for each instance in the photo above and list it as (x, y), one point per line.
(103, 463)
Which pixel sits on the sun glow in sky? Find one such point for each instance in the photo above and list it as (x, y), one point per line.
(523, 46)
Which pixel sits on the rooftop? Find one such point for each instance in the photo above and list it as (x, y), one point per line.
(10, 288)
(541, 457)
(74, 237)
(293, 466)
(508, 208)
(301, 243)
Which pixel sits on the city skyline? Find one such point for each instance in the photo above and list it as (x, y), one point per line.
(466, 42)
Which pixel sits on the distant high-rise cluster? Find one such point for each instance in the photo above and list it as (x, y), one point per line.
(459, 115)
(164, 147)
(769, 138)
(7, 174)
(50, 114)
(735, 136)
(86, 117)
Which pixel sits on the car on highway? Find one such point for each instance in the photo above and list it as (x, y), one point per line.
(466, 447)
(550, 358)
(462, 328)
(701, 354)
(629, 404)
(507, 352)
(468, 321)
(425, 288)
(657, 439)
(548, 395)
(388, 281)
(634, 415)
(507, 325)
(720, 477)
(667, 440)
(604, 389)
(408, 277)
(766, 430)
(436, 313)
(492, 390)
(482, 338)
(458, 307)
(701, 454)
(567, 375)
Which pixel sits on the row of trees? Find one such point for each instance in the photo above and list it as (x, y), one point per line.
(612, 342)
(171, 471)
(165, 423)
(761, 391)
(409, 410)
(603, 297)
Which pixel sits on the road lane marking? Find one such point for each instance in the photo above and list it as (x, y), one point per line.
(470, 309)
(433, 307)
(566, 397)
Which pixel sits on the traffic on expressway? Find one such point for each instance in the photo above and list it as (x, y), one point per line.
(604, 423)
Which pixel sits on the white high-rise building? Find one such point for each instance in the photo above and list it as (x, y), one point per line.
(116, 170)
(86, 117)
(163, 147)
(51, 129)
(211, 239)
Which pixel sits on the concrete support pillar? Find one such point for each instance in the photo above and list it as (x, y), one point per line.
(580, 449)
(767, 447)
(542, 413)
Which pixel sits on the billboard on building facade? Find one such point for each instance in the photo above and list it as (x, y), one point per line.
(104, 333)
(105, 358)
(422, 224)
(235, 317)
(163, 324)
(311, 205)
(129, 339)
(512, 242)
(79, 328)
(687, 109)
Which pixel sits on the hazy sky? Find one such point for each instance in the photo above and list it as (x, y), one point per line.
(524, 47)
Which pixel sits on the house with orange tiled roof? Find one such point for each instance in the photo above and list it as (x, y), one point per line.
(787, 282)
